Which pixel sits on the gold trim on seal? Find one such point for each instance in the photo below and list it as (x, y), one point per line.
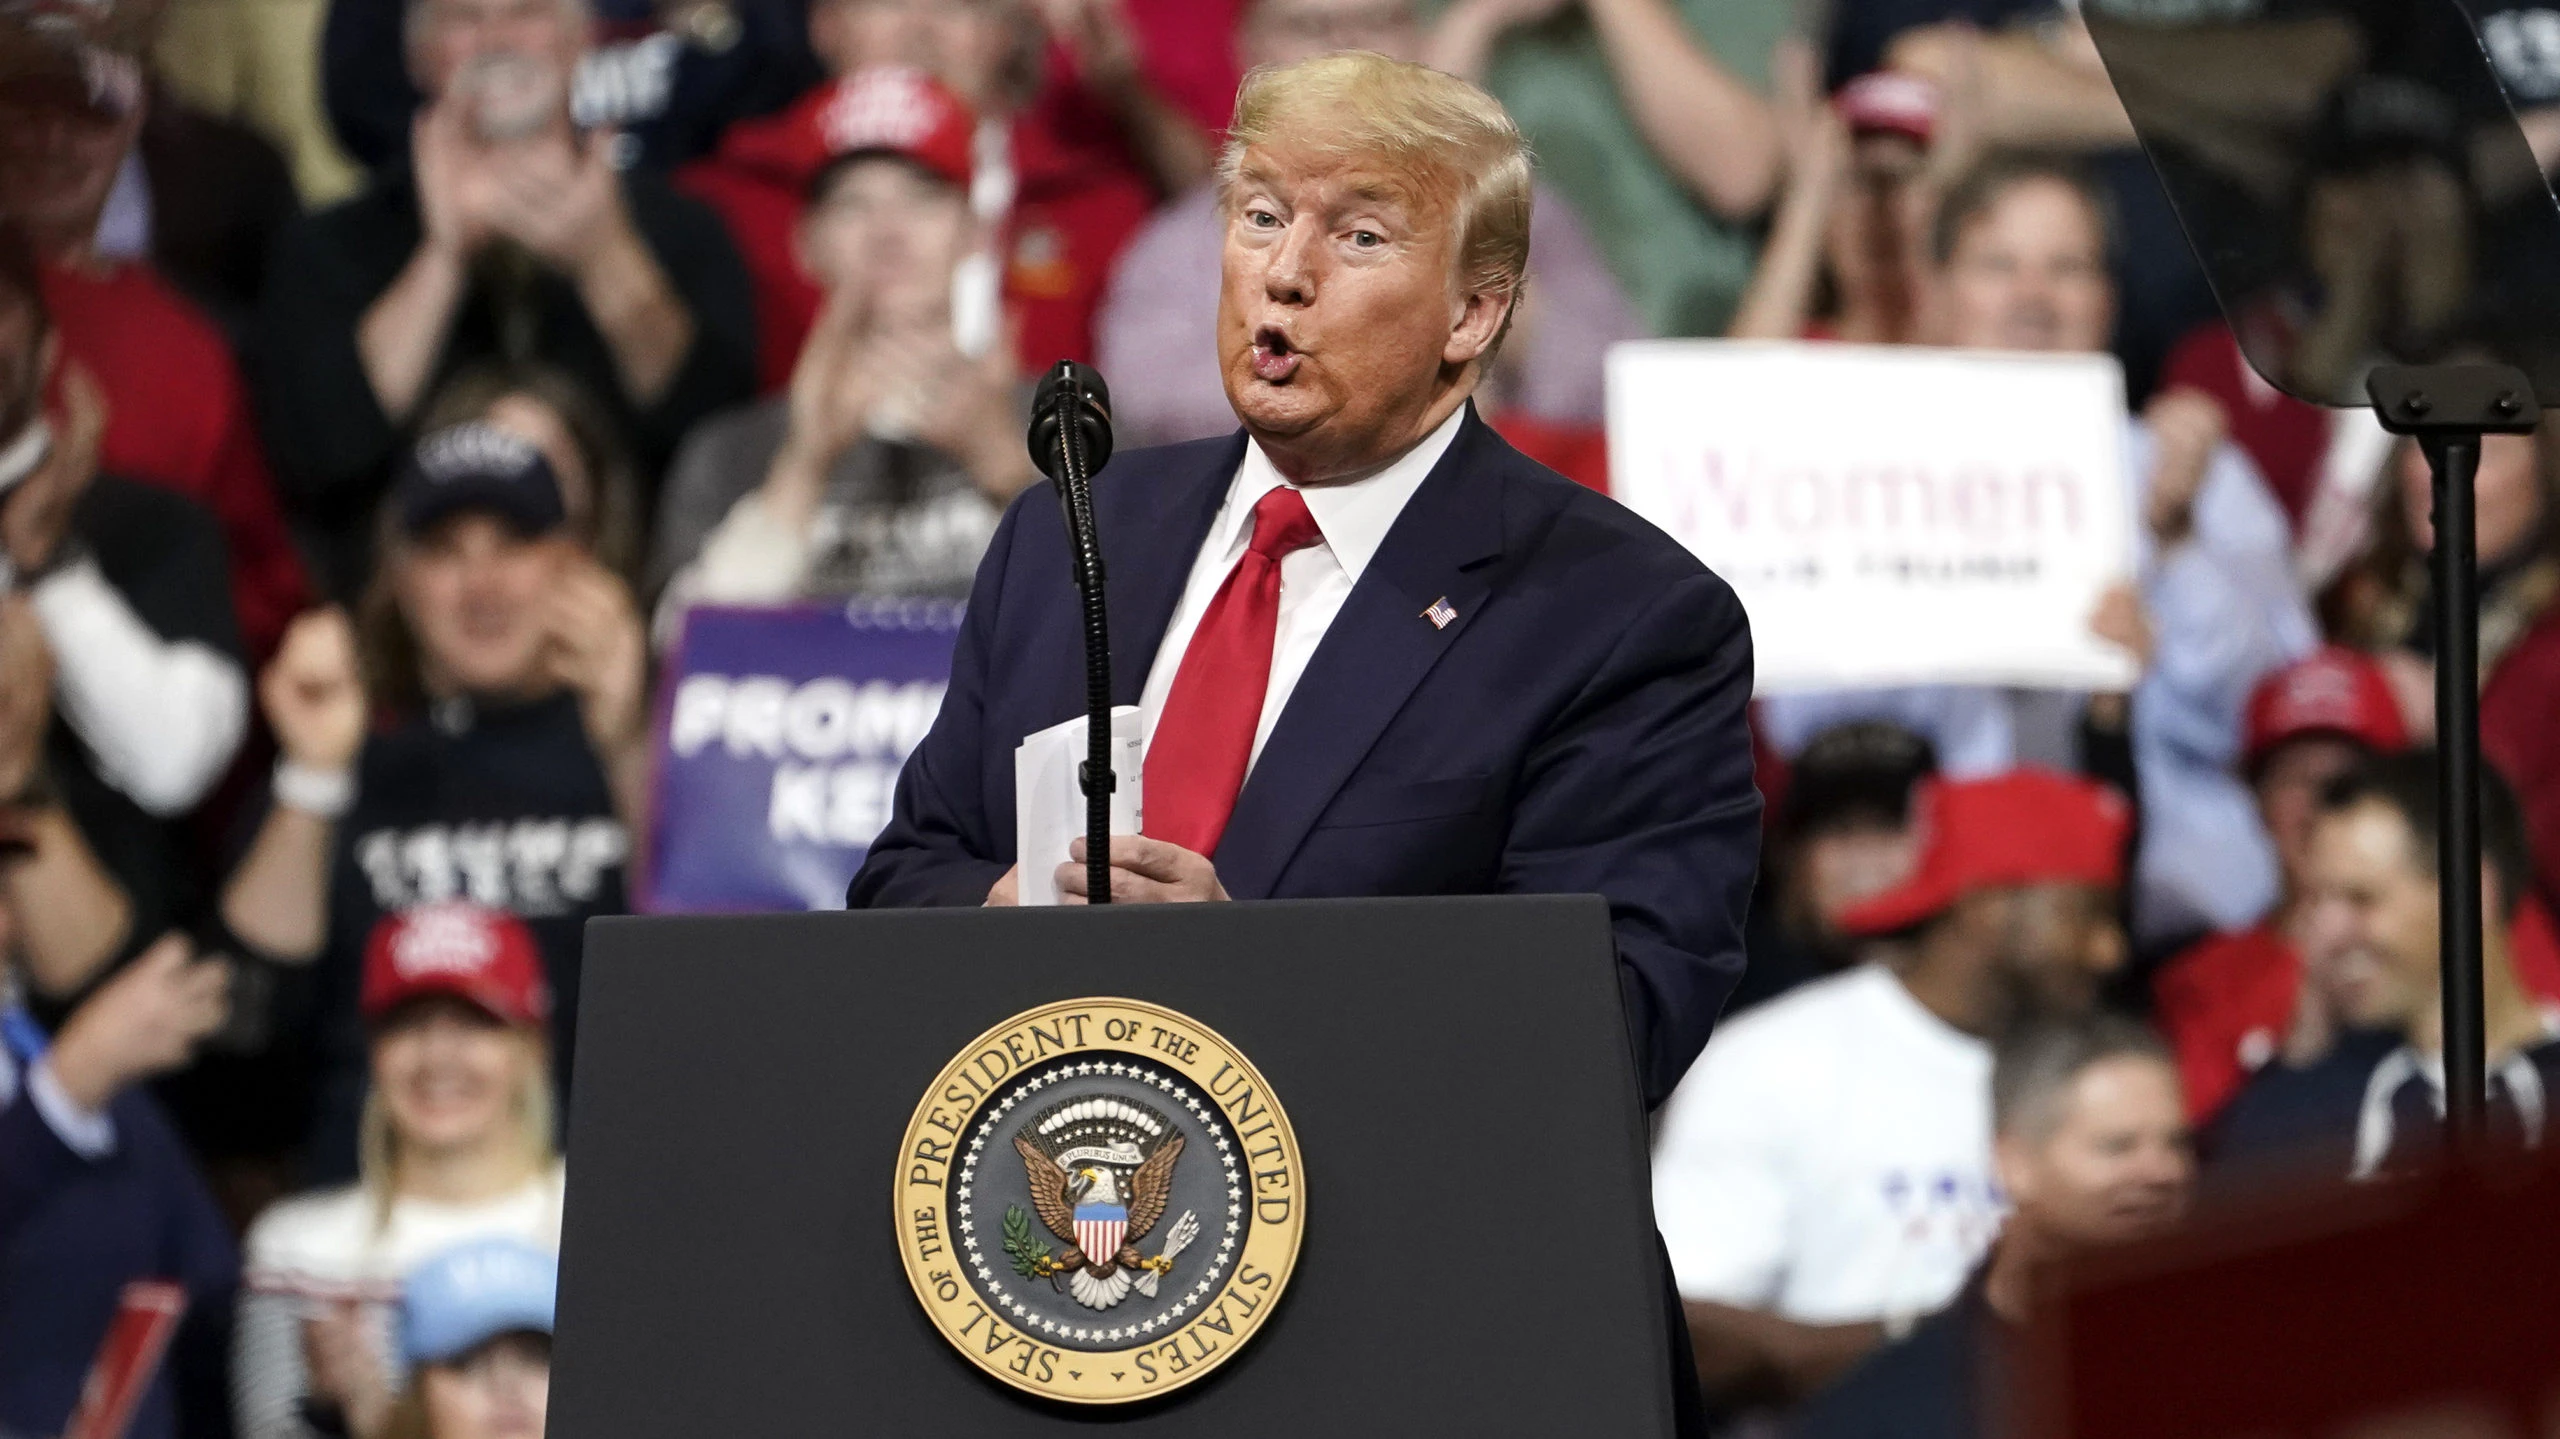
(1221, 1296)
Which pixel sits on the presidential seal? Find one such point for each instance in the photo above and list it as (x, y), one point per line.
(1099, 1201)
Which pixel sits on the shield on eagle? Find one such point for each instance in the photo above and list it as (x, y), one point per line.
(1098, 1229)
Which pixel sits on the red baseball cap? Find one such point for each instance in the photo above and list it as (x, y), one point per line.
(2029, 826)
(2334, 691)
(1887, 102)
(484, 956)
(884, 110)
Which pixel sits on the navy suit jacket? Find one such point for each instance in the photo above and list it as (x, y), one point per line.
(1578, 728)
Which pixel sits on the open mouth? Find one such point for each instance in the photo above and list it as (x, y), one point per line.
(1274, 359)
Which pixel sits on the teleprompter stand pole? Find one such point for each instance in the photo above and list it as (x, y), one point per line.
(2447, 408)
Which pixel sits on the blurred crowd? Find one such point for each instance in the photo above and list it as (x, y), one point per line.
(381, 380)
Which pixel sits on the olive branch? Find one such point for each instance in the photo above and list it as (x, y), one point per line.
(1031, 1258)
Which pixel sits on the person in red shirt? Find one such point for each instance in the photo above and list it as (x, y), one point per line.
(177, 414)
(1077, 144)
(2236, 1000)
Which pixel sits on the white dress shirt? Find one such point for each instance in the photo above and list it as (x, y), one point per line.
(1354, 517)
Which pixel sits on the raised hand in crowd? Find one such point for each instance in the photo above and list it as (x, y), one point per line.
(454, 194)
(2120, 619)
(26, 696)
(2187, 426)
(969, 407)
(36, 518)
(1778, 303)
(834, 386)
(344, 1362)
(1463, 40)
(144, 1022)
(1098, 38)
(72, 916)
(312, 694)
(598, 649)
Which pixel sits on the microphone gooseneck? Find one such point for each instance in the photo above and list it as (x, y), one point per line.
(1070, 439)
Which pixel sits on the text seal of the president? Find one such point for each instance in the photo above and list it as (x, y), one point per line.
(1099, 1201)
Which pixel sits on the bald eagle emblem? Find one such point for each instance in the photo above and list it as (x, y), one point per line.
(1100, 1171)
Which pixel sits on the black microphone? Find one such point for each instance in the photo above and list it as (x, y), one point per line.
(1070, 439)
(1077, 390)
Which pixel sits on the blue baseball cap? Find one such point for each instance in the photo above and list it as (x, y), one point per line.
(461, 1298)
(477, 466)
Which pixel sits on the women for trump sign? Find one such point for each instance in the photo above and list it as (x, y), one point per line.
(780, 739)
(1889, 515)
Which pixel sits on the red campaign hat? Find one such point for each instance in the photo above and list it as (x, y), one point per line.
(1887, 102)
(2334, 691)
(2029, 826)
(485, 956)
(884, 110)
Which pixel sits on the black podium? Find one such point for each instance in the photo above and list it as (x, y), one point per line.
(1477, 1252)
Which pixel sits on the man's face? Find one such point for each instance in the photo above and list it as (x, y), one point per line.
(1841, 864)
(2371, 937)
(1338, 327)
(472, 591)
(2288, 786)
(2507, 496)
(885, 224)
(58, 161)
(1284, 32)
(2117, 1162)
(2029, 273)
(512, 60)
(965, 44)
(2055, 945)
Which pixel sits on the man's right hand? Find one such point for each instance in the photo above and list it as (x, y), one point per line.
(145, 1021)
(312, 695)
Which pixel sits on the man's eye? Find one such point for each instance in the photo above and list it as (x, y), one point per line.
(1367, 239)
(1261, 219)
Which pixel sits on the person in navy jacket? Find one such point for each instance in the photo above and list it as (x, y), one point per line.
(1377, 651)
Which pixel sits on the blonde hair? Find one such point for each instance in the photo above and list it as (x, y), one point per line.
(533, 1109)
(1457, 137)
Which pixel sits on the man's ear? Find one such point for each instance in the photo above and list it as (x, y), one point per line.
(2014, 1167)
(1476, 321)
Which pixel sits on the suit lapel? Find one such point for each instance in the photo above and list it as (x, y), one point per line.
(1376, 651)
(1148, 544)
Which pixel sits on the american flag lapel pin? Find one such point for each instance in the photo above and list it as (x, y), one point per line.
(1440, 614)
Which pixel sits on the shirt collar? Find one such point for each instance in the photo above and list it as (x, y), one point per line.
(1354, 515)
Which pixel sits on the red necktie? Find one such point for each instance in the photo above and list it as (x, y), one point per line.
(1203, 739)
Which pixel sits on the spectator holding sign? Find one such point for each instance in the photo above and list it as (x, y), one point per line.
(457, 1145)
(512, 780)
(883, 470)
(2019, 262)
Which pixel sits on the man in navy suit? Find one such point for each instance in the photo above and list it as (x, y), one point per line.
(1378, 651)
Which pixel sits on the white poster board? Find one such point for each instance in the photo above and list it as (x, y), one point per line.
(1889, 515)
